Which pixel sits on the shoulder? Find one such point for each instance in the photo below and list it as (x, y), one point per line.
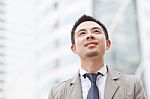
(127, 80)
(132, 78)
(127, 77)
(133, 85)
(133, 82)
(59, 88)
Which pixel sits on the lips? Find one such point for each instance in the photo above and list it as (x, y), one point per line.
(91, 43)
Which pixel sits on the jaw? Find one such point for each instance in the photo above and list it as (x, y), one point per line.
(94, 51)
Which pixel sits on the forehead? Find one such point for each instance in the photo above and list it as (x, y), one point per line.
(87, 25)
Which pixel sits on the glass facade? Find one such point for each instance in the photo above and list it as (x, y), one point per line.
(38, 42)
(2, 49)
(122, 25)
(55, 55)
(144, 27)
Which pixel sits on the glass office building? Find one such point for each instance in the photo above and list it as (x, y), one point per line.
(122, 23)
(122, 18)
(2, 49)
(38, 42)
(56, 62)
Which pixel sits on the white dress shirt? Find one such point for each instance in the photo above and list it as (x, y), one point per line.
(86, 84)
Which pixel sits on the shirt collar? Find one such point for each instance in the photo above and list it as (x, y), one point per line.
(103, 70)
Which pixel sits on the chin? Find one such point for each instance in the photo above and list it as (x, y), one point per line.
(91, 54)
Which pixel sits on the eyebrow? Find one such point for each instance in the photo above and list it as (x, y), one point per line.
(96, 28)
(91, 29)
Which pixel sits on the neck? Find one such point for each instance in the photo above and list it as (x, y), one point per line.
(92, 64)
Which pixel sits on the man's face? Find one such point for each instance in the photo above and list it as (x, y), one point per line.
(90, 40)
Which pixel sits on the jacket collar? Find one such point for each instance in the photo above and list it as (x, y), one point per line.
(111, 86)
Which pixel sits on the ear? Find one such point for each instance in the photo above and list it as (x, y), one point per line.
(73, 48)
(108, 44)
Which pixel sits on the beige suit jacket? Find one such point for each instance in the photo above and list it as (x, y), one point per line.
(118, 86)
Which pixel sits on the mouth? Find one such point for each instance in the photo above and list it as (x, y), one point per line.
(91, 43)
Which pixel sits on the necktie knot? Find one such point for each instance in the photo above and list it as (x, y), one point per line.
(92, 77)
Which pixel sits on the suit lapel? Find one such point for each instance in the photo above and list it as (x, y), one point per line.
(74, 90)
(112, 84)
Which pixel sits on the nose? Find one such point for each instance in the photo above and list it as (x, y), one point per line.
(90, 37)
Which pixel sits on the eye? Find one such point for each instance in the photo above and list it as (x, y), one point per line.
(96, 31)
(82, 33)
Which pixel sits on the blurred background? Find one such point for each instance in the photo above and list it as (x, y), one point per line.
(35, 42)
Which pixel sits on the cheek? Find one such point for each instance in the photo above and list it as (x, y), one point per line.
(78, 44)
(102, 44)
(101, 37)
(79, 41)
(102, 40)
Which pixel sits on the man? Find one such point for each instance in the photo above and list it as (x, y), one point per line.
(95, 80)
